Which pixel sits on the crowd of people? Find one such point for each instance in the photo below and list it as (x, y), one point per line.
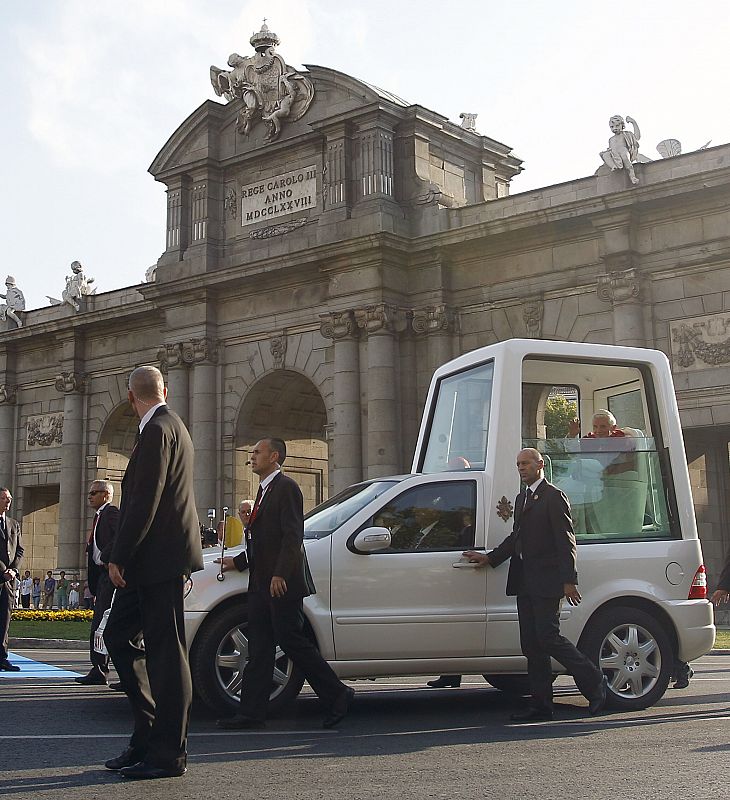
(62, 593)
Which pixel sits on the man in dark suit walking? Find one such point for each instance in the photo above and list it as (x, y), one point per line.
(278, 581)
(11, 557)
(156, 548)
(98, 552)
(542, 571)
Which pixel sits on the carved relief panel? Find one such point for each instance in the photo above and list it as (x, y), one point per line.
(700, 342)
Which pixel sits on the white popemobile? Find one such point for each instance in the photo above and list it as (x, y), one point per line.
(394, 595)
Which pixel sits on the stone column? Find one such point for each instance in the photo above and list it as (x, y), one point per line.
(8, 394)
(341, 327)
(623, 290)
(203, 354)
(178, 385)
(439, 323)
(381, 322)
(71, 496)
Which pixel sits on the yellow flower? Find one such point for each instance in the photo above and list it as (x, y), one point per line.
(50, 616)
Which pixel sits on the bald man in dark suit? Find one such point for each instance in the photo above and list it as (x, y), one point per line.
(156, 548)
(11, 557)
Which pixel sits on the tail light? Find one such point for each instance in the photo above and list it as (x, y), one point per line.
(698, 589)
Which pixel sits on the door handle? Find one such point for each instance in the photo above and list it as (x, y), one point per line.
(465, 565)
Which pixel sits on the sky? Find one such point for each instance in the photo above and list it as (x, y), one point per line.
(92, 90)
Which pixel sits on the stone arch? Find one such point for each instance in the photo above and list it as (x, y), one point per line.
(115, 443)
(288, 404)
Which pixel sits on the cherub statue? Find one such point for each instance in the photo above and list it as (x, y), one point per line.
(15, 301)
(623, 146)
(288, 93)
(77, 286)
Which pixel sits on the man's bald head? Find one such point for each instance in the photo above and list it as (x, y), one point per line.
(530, 465)
(147, 384)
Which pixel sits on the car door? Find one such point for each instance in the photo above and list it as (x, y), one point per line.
(410, 601)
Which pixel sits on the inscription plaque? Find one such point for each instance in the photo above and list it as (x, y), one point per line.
(278, 196)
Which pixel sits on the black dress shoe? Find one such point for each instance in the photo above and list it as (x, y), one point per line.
(142, 771)
(93, 678)
(339, 709)
(240, 723)
(116, 687)
(596, 704)
(129, 757)
(6, 666)
(683, 679)
(532, 715)
(445, 682)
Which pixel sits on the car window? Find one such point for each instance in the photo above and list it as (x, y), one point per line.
(430, 517)
(326, 518)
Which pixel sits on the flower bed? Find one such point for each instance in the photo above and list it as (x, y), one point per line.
(52, 616)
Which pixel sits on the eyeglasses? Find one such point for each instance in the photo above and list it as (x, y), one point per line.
(97, 491)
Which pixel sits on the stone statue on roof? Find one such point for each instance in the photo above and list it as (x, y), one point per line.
(14, 302)
(77, 286)
(269, 90)
(623, 146)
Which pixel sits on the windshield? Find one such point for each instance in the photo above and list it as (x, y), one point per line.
(326, 518)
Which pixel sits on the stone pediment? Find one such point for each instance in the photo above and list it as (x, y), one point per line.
(194, 140)
(210, 131)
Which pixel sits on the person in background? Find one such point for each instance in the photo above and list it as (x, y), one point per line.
(62, 586)
(49, 589)
(87, 597)
(36, 592)
(26, 588)
(73, 596)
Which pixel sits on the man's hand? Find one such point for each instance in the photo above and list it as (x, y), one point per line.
(278, 586)
(226, 563)
(574, 428)
(720, 596)
(9, 574)
(572, 595)
(116, 576)
(476, 558)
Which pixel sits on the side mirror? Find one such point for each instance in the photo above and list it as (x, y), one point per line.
(370, 540)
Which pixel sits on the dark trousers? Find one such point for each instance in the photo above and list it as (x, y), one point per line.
(25, 600)
(541, 640)
(6, 603)
(155, 674)
(273, 621)
(104, 592)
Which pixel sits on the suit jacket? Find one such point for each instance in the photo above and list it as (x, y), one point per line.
(105, 533)
(14, 548)
(274, 540)
(158, 537)
(543, 531)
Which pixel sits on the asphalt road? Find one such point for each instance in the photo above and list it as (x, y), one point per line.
(399, 741)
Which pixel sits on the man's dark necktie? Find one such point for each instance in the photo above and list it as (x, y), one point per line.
(255, 509)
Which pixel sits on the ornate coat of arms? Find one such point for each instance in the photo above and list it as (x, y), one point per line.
(269, 90)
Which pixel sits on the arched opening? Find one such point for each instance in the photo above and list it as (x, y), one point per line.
(115, 446)
(288, 405)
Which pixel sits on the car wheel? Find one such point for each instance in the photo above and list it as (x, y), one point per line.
(217, 659)
(510, 683)
(635, 653)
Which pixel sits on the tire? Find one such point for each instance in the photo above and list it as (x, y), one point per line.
(635, 653)
(217, 658)
(512, 683)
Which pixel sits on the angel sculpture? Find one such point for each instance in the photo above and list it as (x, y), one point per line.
(77, 286)
(14, 302)
(623, 146)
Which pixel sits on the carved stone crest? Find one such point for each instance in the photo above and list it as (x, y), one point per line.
(270, 91)
(170, 356)
(45, 430)
(532, 314)
(67, 382)
(200, 351)
(231, 203)
(278, 349)
(504, 508)
(434, 319)
(701, 342)
(339, 325)
(619, 287)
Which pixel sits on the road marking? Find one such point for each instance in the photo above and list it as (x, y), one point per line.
(202, 734)
(35, 669)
